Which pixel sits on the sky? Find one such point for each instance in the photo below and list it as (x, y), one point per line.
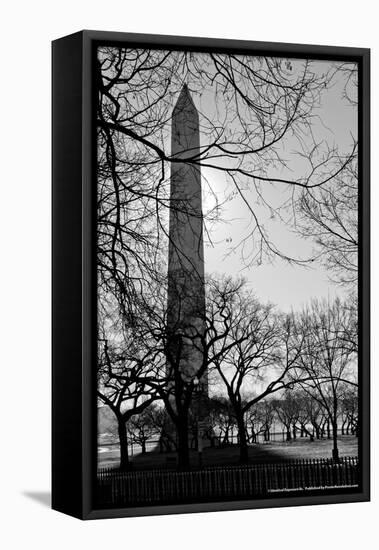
(286, 285)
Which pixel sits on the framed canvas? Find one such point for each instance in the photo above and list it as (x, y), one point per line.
(210, 275)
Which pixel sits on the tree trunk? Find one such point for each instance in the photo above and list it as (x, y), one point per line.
(307, 433)
(335, 443)
(195, 439)
(244, 449)
(123, 437)
(335, 428)
(183, 450)
(143, 445)
(328, 428)
(343, 428)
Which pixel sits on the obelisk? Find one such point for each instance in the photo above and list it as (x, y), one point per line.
(186, 292)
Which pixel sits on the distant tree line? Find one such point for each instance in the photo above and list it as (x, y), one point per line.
(294, 415)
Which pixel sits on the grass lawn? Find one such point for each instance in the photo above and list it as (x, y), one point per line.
(228, 456)
(303, 448)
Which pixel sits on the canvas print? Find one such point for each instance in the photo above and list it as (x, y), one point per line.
(227, 276)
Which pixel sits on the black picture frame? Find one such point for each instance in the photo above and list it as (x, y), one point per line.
(74, 277)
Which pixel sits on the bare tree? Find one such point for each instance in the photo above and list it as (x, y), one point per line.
(262, 356)
(252, 423)
(330, 217)
(142, 427)
(287, 409)
(221, 419)
(330, 212)
(260, 419)
(349, 411)
(325, 365)
(163, 426)
(124, 362)
(310, 415)
(176, 386)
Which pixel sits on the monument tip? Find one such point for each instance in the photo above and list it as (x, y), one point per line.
(185, 99)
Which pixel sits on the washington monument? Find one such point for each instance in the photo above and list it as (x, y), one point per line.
(186, 293)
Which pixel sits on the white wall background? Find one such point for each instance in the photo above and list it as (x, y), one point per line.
(27, 29)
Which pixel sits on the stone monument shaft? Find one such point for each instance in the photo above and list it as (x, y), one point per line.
(186, 293)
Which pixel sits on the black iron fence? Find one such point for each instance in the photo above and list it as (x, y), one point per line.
(118, 488)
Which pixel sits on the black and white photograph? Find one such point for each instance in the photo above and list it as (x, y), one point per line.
(189, 332)
(228, 272)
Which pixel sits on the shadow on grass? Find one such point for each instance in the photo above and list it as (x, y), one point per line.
(270, 452)
(219, 456)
